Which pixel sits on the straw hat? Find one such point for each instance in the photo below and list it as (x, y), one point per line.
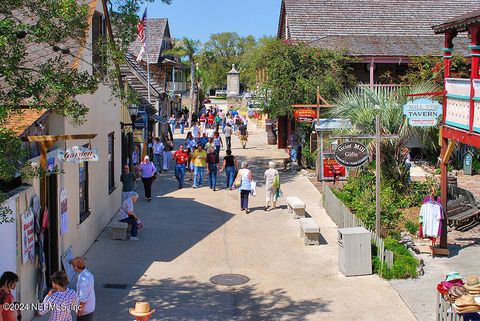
(142, 309)
(473, 284)
(467, 304)
(455, 292)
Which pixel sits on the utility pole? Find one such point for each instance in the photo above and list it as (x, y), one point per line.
(378, 138)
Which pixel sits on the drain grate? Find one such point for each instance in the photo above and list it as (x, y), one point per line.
(116, 286)
(229, 279)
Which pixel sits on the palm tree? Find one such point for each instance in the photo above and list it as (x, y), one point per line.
(359, 108)
(188, 48)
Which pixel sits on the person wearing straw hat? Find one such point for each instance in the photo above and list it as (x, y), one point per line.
(142, 311)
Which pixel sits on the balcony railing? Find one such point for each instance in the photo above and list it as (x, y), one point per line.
(176, 86)
(379, 88)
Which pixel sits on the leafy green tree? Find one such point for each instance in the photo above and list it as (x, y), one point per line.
(220, 52)
(187, 49)
(430, 68)
(295, 70)
(30, 80)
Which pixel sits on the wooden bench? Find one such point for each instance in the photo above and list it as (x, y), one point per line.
(460, 212)
(296, 206)
(310, 231)
(121, 231)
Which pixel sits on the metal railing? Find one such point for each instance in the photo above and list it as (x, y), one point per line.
(343, 217)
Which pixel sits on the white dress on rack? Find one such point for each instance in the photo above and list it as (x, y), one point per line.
(431, 214)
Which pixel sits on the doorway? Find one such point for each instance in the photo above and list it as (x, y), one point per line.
(51, 233)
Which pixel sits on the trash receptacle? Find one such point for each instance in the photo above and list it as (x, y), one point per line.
(468, 163)
(354, 251)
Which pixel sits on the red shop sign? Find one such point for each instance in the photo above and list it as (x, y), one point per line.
(330, 166)
(305, 115)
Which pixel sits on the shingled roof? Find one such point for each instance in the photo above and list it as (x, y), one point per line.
(460, 23)
(157, 31)
(370, 27)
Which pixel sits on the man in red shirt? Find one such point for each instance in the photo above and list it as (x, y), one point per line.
(210, 119)
(181, 159)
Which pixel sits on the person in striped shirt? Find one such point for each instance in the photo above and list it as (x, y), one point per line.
(60, 301)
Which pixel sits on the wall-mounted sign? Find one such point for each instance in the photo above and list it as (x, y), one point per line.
(423, 112)
(305, 115)
(28, 237)
(138, 135)
(332, 167)
(50, 164)
(351, 154)
(77, 154)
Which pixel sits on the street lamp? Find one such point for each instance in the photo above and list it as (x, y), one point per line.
(133, 111)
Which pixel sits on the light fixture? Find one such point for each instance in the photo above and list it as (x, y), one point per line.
(133, 111)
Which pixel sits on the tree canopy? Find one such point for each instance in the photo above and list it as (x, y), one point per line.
(220, 52)
(38, 41)
(295, 70)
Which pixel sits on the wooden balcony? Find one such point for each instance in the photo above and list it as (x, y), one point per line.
(379, 88)
(177, 87)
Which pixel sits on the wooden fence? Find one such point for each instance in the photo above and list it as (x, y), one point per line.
(343, 217)
(446, 311)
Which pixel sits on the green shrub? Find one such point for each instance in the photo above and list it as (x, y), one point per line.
(411, 226)
(404, 263)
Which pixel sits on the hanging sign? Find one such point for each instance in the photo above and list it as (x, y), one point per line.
(28, 237)
(351, 154)
(422, 112)
(77, 154)
(63, 212)
(305, 115)
(332, 167)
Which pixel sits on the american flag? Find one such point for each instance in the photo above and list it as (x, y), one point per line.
(142, 36)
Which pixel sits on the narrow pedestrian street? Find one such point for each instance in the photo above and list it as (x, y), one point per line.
(191, 235)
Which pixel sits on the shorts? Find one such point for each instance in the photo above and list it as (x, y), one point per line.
(243, 137)
(271, 195)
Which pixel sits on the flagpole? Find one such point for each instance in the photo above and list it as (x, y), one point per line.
(146, 49)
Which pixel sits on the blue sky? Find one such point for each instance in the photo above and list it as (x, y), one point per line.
(198, 19)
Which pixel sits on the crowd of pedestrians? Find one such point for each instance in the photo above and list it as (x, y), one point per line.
(204, 154)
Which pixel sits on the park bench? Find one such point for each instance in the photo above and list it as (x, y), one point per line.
(296, 206)
(121, 231)
(310, 231)
(461, 211)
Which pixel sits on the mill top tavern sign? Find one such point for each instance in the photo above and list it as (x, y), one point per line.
(423, 112)
(351, 154)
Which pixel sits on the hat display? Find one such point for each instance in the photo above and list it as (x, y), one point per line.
(142, 309)
(466, 304)
(78, 261)
(455, 292)
(444, 286)
(473, 285)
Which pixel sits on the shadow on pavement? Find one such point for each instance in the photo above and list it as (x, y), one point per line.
(188, 299)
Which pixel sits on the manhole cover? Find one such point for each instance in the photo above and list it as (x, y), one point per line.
(229, 279)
